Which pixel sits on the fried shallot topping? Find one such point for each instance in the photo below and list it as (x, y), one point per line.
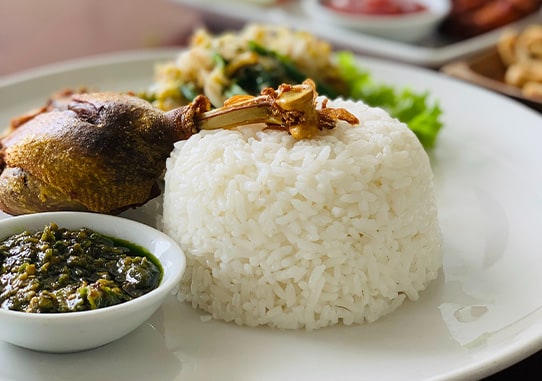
(290, 108)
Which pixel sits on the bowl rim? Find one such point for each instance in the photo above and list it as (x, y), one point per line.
(436, 10)
(166, 285)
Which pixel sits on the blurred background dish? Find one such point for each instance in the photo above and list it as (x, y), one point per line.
(488, 71)
(407, 21)
(513, 66)
(433, 50)
(469, 18)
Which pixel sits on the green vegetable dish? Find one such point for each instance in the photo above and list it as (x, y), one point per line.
(61, 270)
(261, 56)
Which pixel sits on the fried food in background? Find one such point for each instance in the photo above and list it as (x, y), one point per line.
(521, 52)
(469, 18)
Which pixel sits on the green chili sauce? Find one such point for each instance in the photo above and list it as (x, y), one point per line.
(61, 270)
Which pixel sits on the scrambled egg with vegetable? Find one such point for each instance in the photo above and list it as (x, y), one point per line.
(262, 56)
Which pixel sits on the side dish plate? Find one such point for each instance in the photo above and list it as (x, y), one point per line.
(432, 51)
(487, 70)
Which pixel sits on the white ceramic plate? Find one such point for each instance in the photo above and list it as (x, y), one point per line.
(432, 51)
(487, 166)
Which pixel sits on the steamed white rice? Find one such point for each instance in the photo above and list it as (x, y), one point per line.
(342, 228)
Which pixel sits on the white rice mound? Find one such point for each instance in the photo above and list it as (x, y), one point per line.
(342, 228)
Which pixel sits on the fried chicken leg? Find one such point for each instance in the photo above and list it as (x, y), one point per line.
(105, 152)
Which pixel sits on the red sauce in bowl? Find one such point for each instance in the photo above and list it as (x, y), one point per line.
(375, 7)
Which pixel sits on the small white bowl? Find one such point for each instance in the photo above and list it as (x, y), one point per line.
(408, 27)
(77, 331)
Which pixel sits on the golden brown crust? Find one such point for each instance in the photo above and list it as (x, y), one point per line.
(104, 151)
(23, 193)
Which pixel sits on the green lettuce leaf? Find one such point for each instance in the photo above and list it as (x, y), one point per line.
(413, 108)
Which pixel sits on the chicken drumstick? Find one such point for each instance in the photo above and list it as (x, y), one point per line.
(105, 152)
